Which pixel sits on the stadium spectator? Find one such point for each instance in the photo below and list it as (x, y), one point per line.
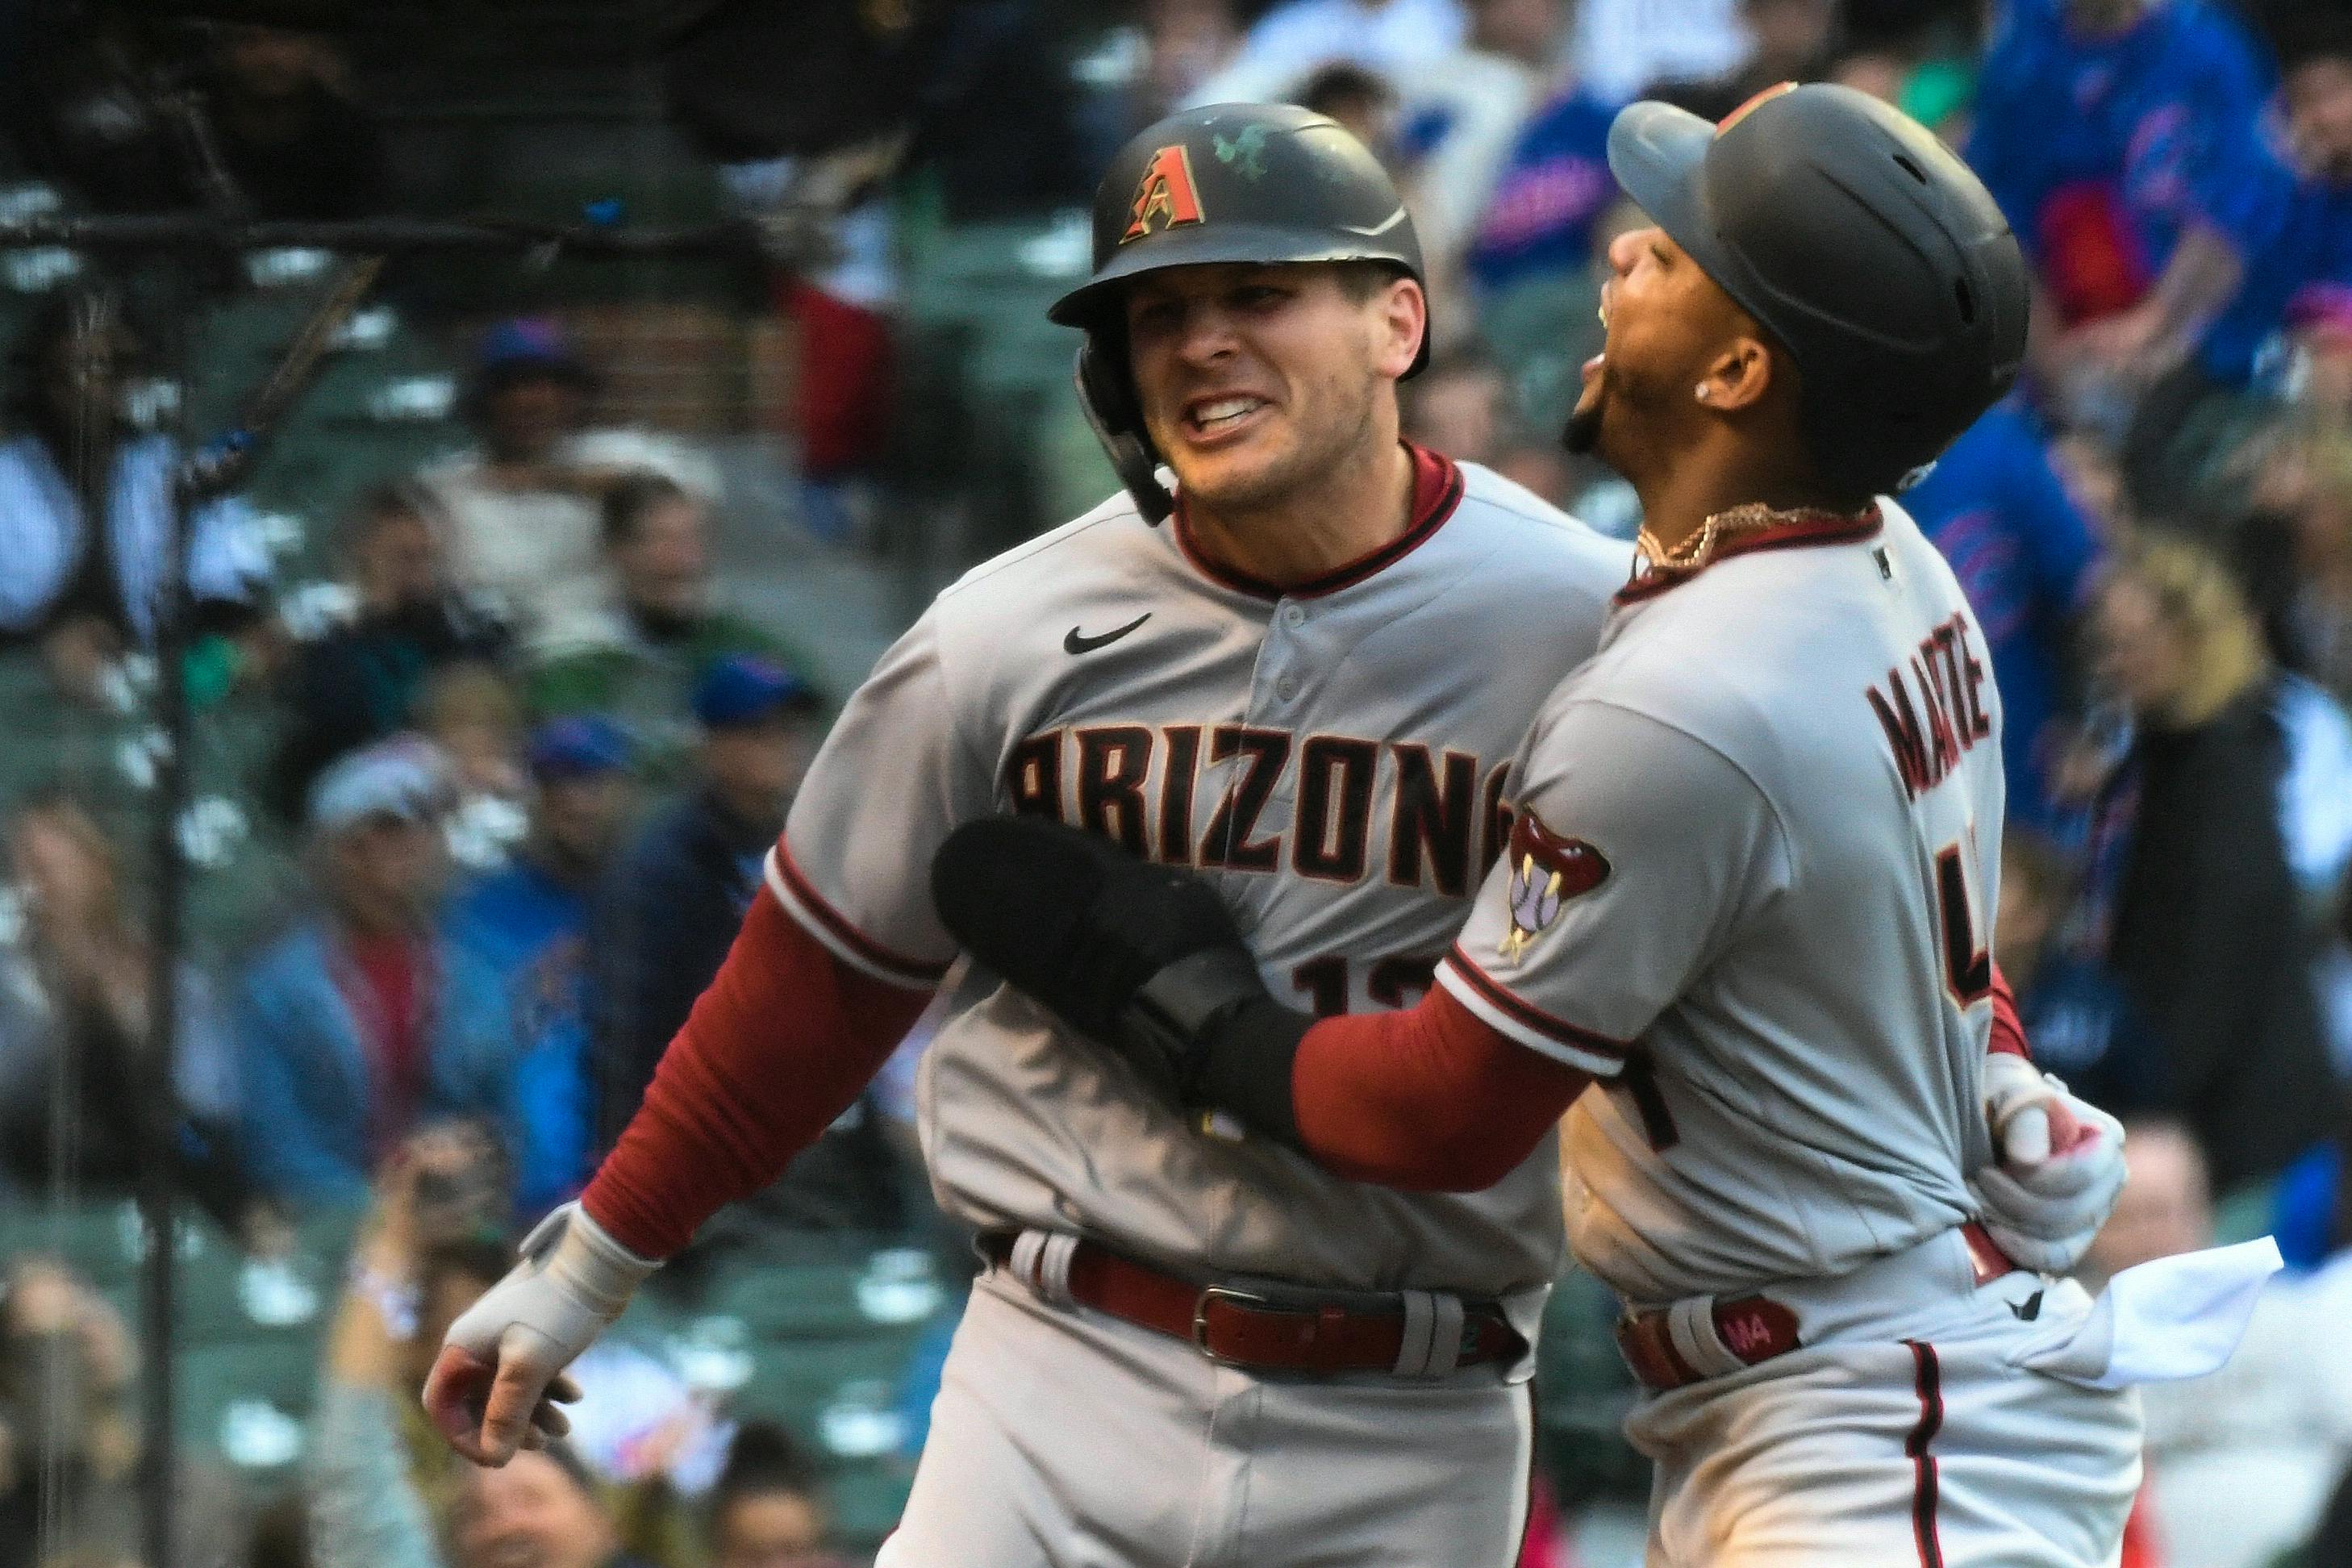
(380, 1484)
(295, 144)
(1786, 40)
(1361, 102)
(1459, 406)
(667, 913)
(1394, 39)
(76, 1029)
(2026, 556)
(359, 681)
(2297, 545)
(1185, 43)
(522, 507)
(1464, 113)
(361, 1021)
(2082, 1026)
(2319, 348)
(1624, 46)
(2292, 230)
(474, 715)
(528, 924)
(662, 630)
(69, 1438)
(2207, 933)
(543, 1508)
(86, 506)
(2116, 135)
(1549, 196)
(2239, 1463)
(2284, 234)
(768, 1509)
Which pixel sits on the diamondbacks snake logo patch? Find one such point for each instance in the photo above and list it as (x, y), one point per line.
(1546, 870)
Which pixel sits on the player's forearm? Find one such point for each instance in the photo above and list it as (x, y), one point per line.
(1428, 1099)
(780, 1045)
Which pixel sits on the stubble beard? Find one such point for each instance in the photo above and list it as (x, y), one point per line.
(1317, 453)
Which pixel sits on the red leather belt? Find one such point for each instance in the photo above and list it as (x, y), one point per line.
(1755, 1328)
(1258, 1325)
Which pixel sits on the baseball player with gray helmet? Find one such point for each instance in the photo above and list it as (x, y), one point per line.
(1741, 931)
(1294, 659)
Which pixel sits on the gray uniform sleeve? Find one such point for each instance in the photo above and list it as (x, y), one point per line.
(1635, 851)
(894, 778)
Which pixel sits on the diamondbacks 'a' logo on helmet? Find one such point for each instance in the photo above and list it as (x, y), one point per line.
(1165, 198)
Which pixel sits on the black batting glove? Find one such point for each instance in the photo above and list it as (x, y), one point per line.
(1143, 958)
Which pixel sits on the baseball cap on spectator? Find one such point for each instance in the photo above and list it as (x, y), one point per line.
(743, 689)
(523, 347)
(406, 778)
(2321, 310)
(579, 746)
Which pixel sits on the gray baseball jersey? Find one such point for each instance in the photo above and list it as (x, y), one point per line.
(1751, 882)
(1332, 757)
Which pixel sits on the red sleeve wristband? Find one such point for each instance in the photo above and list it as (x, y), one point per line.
(782, 1043)
(1430, 1098)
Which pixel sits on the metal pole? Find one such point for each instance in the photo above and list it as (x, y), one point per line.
(159, 1365)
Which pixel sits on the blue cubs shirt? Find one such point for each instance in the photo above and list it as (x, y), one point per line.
(2161, 116)
(2290, 230)
(2023, 554)
(1553, 189)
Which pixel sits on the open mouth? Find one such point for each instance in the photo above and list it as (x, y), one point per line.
(1212, 419)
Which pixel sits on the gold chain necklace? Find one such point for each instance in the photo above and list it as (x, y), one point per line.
(1699, 547)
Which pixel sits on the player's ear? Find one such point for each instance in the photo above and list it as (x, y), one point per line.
(1401, 312)
(1739, 377)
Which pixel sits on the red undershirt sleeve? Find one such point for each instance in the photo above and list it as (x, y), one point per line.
(782, 1043)
(2008, 1028)
(1430, 1098)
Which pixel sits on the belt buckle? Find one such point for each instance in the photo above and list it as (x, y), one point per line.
(1243, 1297)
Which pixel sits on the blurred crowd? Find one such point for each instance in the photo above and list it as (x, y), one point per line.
(511, 749)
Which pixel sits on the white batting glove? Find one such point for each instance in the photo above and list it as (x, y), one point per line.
(2058, 1165)
(493, 1389)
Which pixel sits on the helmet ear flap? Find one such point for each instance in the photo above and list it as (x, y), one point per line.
(1107, 393)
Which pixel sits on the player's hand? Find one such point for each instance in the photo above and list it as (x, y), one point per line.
(496, 1385)
(1137, 957)
(2058, 1165)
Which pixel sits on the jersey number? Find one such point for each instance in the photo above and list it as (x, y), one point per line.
(1325, 981)
(1967, 964)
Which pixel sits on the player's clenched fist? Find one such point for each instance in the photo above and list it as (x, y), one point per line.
(2059, 1164)
(495, 1386)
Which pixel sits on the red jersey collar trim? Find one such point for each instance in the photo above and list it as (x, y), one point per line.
(1828, 529)
(1436, 493)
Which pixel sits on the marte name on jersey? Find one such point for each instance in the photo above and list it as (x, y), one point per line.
(1444, 823)
(1947, 677)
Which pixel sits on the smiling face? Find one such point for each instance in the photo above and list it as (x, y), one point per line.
(1668, 328)
(1257, 382)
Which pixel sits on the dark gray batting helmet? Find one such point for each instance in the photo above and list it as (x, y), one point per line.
(1261, 182)
(1858, 241)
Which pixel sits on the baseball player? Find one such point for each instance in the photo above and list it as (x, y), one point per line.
(1745, 901)
(1303, 675)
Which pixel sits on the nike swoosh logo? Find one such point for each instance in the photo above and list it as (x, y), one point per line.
(1078, 642)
